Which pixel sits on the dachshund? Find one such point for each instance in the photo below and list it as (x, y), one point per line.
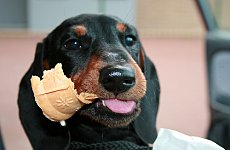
(102, 55)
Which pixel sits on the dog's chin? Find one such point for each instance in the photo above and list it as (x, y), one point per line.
(103, 113)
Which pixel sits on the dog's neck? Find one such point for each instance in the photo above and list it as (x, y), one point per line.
(86, 131)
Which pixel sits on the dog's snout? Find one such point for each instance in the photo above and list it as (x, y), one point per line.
(117, 79)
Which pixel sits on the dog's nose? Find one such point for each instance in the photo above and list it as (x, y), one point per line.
(117, 79)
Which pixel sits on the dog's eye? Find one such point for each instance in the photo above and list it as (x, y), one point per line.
(73, 44)
(130, 40)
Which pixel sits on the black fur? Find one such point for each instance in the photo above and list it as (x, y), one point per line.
(101, 36)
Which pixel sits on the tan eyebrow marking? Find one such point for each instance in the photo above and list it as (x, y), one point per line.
(121, 27)
(80, 30)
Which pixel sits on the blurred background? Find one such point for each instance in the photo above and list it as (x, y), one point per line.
(173, 35)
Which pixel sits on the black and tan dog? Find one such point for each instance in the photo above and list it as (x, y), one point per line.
(102, 55)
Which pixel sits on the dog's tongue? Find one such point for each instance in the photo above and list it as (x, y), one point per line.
(120, 106)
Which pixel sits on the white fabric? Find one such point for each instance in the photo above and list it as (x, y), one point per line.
(173, 140)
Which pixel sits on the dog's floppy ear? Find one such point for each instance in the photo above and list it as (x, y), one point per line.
(42, 133)
(145, 124)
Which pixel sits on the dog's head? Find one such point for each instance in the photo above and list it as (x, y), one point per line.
(103, 55)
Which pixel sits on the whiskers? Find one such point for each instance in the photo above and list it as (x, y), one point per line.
(129, 18)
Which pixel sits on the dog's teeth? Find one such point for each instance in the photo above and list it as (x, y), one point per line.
(103, 103)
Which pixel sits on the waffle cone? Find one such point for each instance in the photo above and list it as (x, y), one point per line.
(56, 96)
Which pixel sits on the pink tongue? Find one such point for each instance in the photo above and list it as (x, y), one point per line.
(119, 106)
